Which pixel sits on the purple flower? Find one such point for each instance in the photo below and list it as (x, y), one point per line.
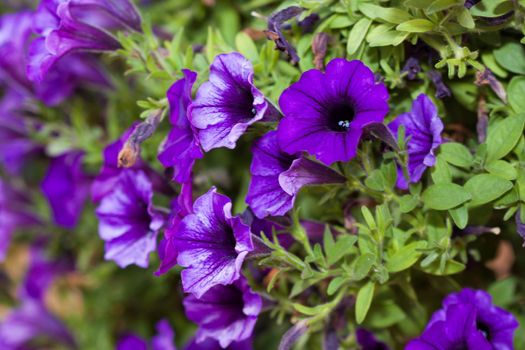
(225, 313)
(277, 177)
(212, 344)
(275, 23)
(227, 104)
(110, 171)
(15, 144)
(164, 340)
(180, 207)
(442, 90)
(68, 26)
(470, 3)
(128, 221)
(468, 320)
(423, 129)
(211, 243)
(29, 322)
(411, 68)
(15, 36)
(66, 188)
(181, 147)
(324, 113)
(15, 213)
(368, 341)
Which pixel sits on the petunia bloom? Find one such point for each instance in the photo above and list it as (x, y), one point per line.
(15, 213)
(227, 104)
(128, 221)
(164, 340)
(180, 207)
(225, 313)
(368, 341)
(68, 26)
(66, 188)
(277, 177)
(212, 344)
(16, 146)
(468, 320)
(181, 147)
(211, 243)
(423, 129)
(74, 71)
(324, 113)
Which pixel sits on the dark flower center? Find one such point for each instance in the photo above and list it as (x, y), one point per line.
(340, 116)
(484, 329)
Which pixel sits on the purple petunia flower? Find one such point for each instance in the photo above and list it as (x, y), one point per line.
(468, 320)
(423, 127)
(66, 188)
(368, 341)
(32, 321)
(212, 344)
(211, 243)
(15, 36)
(15, 144)
(68, 26)
(277, 177)
(15, 213)
(227, 104)
(181, 147)
(180, 207)
(324, 113)
(225, 313)
(164, 340)
(128, 221)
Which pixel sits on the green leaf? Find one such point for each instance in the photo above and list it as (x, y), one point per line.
(502, 169)
(363, 301)
(307, 310)
(387, 14)
(441, 171)
(384, 314)
(516, 93)
(418, 25)
(451, 267)
(443, 196)
(511, 56)
(465, 18)
(503, 136)
(418, 4)
(335, 251)
(407, 203)
(456, 154)
(246, 46)
(335, 284)
(440, 5)
(460, 216)
(503, 292)
(485, 188)
(362, 266)
(357, 35)
(405, 257)
(382, 35)
(375, 181)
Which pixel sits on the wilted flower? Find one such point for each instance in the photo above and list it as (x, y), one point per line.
(227, 104)
(225, 313)
(423, 129)
(164, 340)
(128, 221)
(324, 114)
(68, 26)
(110, 171)
(211, 243)
(442, 90)
(411, 68)
(274, 33)
(468, 320)
(180, 149)
(66, 188)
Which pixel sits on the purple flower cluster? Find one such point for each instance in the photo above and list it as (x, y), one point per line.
(468, 320)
